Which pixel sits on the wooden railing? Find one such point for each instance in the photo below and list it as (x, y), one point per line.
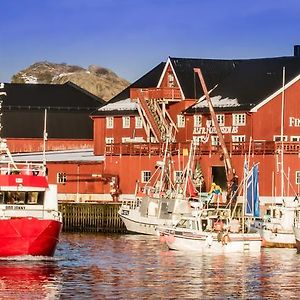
(234, 148)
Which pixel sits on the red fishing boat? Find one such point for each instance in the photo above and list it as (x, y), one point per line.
(30, 222)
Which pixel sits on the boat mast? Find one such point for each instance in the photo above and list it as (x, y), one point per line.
(281, 132)
(45, 135)
(227, 159)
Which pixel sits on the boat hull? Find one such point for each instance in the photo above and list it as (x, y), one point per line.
(28, 236)
(210, 243)
(297, 237)
(136, 223)
(271, 239)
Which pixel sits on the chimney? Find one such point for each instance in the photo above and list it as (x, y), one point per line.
(297, 50)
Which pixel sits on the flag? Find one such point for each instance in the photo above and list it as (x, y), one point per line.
(190, 189)
(252, 192)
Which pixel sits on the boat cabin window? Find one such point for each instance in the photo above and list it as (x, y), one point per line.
(28, 198)
(188, 224)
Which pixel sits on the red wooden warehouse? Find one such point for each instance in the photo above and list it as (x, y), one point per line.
(257, 107)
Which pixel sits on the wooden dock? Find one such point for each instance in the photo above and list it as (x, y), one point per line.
(91, 217)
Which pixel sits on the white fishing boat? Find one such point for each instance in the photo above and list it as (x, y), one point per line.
(215, 229)
(296, 228)
(161, 202)
(276, 226)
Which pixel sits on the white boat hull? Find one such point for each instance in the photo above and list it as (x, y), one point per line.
(146, 223)
(297, 237)
(209, 243)
(277, 239)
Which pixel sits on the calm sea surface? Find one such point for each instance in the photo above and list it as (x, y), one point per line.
(98, 266)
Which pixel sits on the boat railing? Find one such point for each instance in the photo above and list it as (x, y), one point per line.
(8, 168)
(131, 203)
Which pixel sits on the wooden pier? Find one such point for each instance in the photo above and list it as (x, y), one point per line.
(91, 217)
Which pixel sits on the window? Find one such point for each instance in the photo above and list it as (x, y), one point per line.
(221, 119)
(180, 121)
(109, 140)
(138, 122)
(295, 138)
(18, 197)
(61, 178)
(297, 176)
(215, 140)
(109, 122)
(238, 138)
(171, 82)
(197, 120)
(126, 140)
(126, 122)
(146, 175)
(197, 139)
(178, 176)
(277, 138)
(238, 119)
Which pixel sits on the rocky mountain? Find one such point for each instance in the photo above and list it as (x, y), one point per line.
(99, 81)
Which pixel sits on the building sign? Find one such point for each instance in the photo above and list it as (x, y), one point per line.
(213, 130)
(294, 122)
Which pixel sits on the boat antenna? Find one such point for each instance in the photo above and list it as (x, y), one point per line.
(281, 132)
(45, 136)
(2, 94)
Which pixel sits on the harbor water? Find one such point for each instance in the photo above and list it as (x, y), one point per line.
(116, 266)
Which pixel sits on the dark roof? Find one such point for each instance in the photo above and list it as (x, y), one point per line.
(214, 70)
(250, 81)
(52, 96)
(68, 108)
(150, 79)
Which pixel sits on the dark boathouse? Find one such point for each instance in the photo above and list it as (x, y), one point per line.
(66, 106)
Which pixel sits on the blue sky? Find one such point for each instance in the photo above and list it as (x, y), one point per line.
(132, 36)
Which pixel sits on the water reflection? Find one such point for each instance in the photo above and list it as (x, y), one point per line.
(28, 279)
(96, 266)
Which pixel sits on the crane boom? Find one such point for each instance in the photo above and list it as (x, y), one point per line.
(227, 159)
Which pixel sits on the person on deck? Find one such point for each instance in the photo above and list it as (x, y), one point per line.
(233, 187)
(215, 192)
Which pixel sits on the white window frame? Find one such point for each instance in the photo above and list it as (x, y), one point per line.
(215, 140)
(126, 121)
(197, 139)
(221, 119)
(238, 138)
(297, 177)
(180, 121)
(197, 120)
(171, 80)
(109, 140)
(145, 176)
(277, 138)
(61, 178)
(295, 138)
(239, 119)
(109, 122)
(138, 122)
(178, 176)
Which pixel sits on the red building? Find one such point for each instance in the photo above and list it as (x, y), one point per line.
(256, 103)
